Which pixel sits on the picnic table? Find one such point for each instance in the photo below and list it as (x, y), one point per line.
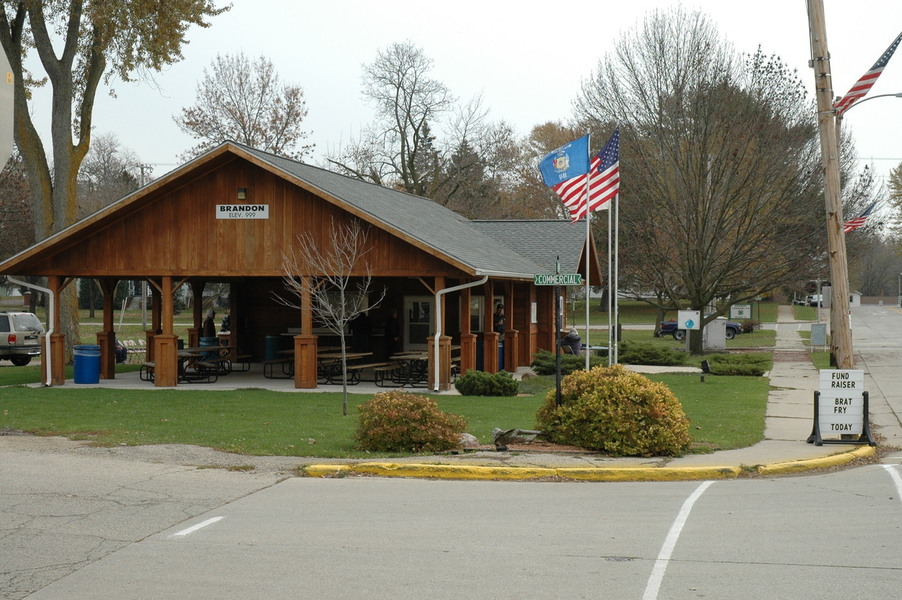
(411, 369)
(329, 369)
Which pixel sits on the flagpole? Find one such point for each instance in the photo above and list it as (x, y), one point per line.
(588, 256)
(610, 292)
(616, 319)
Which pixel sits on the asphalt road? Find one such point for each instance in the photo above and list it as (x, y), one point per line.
(78, 525)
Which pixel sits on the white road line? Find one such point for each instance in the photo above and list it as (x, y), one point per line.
(657, 573)
(194, 528)
(897, 479)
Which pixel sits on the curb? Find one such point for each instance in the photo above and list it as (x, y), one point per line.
(825, 462)
(470, 472)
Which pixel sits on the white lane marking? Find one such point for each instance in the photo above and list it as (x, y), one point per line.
(657, 573)
(194, 528)
(897, 479)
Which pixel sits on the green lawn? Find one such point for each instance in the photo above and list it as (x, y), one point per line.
(725, 412)
(761, 338)
(634, 312)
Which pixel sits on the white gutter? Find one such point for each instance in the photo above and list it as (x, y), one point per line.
(51, 319)
(438, 322)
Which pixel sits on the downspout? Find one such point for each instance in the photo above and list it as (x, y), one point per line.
(51, 318)
(438, 322)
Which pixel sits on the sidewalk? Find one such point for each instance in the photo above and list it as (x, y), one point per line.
(788, 423)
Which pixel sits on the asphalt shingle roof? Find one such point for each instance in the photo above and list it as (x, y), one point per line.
(498, 248)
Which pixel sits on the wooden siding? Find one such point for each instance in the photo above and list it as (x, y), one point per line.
(175, 232)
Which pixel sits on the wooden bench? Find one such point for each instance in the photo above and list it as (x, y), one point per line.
(146, 372)
(242, 362)
(220, 365)
(355, 370)
(204, 372)
(389, 372)
(286, 365)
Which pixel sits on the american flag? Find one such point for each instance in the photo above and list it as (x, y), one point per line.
(604, 182)
(859, 220)
(864, 85)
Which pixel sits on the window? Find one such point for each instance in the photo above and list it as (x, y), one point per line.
(418, 321)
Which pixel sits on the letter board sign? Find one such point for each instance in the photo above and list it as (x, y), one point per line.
(841, 408)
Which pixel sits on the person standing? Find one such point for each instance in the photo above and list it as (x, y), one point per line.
(208, 328)
(498, 320)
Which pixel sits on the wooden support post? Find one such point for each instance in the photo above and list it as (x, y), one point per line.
(467, 337)
(166, 343)
(305, 361)
(57, 356)
(106, 337)
(444, 352)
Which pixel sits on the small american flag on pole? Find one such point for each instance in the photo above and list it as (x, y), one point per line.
(604, 182)
(864, 85)
(859, 220)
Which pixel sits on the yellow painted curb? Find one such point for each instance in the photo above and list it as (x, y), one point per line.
(649, 473)
(825, 462)
(439, 471)
(524, 473)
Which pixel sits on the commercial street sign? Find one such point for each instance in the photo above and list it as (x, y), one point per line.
(559, 279)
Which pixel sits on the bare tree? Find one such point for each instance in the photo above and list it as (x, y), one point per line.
(246, 102)
(426, 143)
(16, 230)
(720, 196)
(895, 193)
(336, 277)
(108, 173)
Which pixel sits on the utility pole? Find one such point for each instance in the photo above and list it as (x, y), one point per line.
(840, 328)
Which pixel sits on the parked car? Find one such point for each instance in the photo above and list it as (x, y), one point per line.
(815, 300)
(670, 328)
(20, 337)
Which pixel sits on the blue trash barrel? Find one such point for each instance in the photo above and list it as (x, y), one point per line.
(87, 363)
(206, 342)
(500, 355)
(271, 346)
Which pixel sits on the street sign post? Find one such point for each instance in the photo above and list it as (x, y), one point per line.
(558, 279)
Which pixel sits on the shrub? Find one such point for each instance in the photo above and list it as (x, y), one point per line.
(543, 363)
(755, 364)
(480, 383)
(612, 410)
(750, 326)
(635, 353)
(400, 422)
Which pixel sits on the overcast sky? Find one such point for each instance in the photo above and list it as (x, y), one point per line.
(527, 60)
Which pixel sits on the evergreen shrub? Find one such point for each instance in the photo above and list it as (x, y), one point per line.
(754, 363)
(543, 362)
(636, 353)
(480, 383)
(612, 410)
(397, 421)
